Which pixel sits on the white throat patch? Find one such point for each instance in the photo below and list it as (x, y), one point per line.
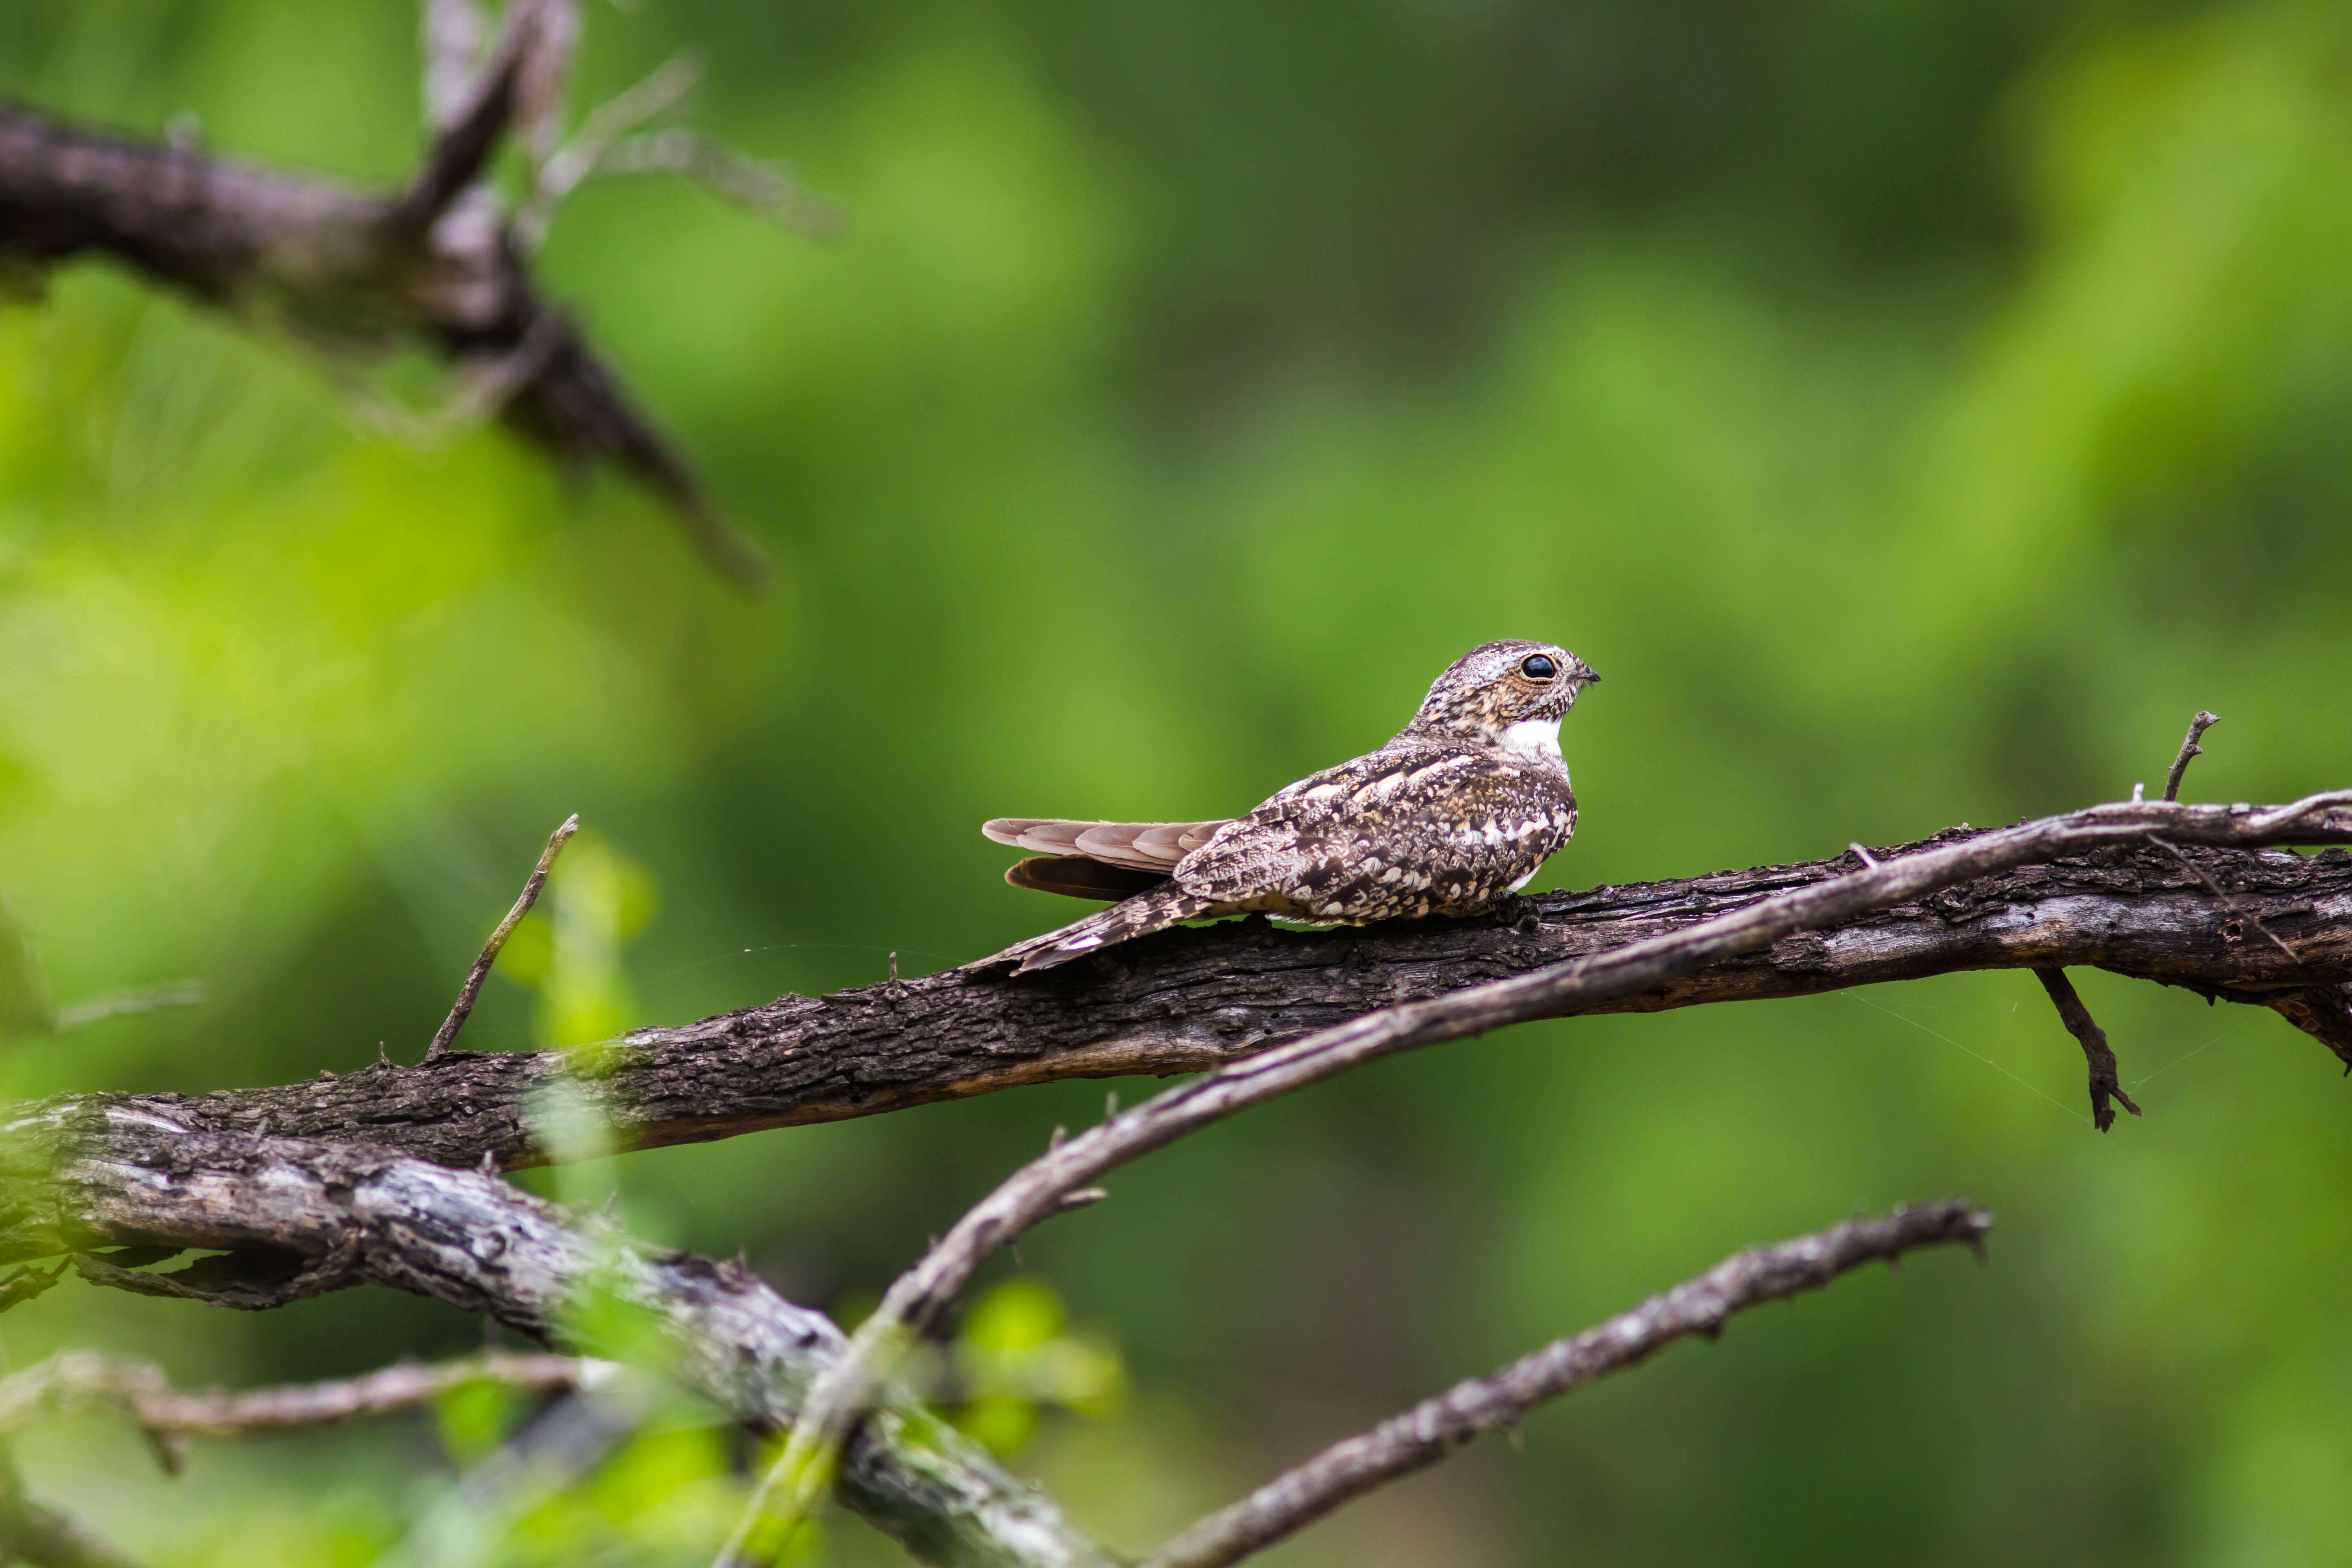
(1535, 738)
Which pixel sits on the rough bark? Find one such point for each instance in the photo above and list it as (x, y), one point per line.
(1189, 1000)
(1624, 971)
(2209, 906)
(305, 1217)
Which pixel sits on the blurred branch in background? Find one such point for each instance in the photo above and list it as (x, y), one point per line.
(32, 1532)
(1435, 1428)
(77, 1382)
(24, 1006)
(444, 262)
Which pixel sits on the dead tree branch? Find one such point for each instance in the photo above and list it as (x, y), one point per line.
(353, 273)
(298, 1217)
(1195, 999)
(1435, 1428)
(344, 1215)
(2096, 1052)
(1036, 1192)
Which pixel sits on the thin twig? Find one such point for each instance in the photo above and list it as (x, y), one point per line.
(27, 1283)
(754, 185)
(563, 169)
(1035, 1192)
(177, 994)
(479, 387)
(546, 1457)
(76, 1381)
(1435, 1428)
(479, 115)
(488, 956)
(451, 33)
(2188, 748)
(2096, 1052)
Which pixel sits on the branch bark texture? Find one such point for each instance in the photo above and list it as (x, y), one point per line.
(301, 1217)
(1038, 1189)
(1194, 999)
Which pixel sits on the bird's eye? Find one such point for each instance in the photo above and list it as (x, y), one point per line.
(1538, 666)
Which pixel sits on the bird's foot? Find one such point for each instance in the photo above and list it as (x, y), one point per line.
(1519, 912)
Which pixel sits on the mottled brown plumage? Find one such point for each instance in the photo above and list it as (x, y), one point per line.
(1455, 814)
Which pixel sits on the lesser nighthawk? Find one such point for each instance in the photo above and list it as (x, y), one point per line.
(1452, 815)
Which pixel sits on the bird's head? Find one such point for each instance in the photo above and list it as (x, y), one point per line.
(1511, 693)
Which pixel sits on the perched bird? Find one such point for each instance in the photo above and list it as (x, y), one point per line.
(1450, 817)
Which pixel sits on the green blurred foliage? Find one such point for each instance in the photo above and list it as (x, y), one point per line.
(1915, 412)
(1015, 1356)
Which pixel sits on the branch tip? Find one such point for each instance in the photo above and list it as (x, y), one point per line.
(488, 956)
(2099, 1055)
(2188, 748)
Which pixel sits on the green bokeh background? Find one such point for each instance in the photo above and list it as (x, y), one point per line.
(1914, 410)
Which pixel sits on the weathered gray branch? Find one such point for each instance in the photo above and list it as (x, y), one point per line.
(1189, 1000)
(352, 271)
(334, 1215)
(1435, 1428)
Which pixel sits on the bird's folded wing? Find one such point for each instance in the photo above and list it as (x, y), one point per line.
(1138, 846)
(1078, 877)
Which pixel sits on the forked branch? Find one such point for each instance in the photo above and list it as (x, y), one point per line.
(351, 273)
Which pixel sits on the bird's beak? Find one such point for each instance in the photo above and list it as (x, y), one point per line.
(1589, 676)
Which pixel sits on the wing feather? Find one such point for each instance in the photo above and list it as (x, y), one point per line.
(1153, 846)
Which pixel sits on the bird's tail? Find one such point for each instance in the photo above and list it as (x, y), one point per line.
(1155, 911)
